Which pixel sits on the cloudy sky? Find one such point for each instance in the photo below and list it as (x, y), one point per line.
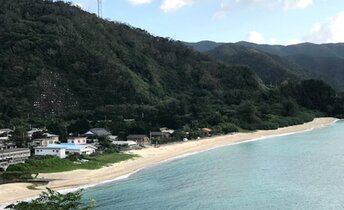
(260, 21)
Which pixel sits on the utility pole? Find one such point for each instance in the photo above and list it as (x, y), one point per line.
(100, 8)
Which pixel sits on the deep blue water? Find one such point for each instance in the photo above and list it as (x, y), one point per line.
(299, 171)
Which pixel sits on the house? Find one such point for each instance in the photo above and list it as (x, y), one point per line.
(77, 140)
(160, 134)
(167, 131)
(43, 142)
(82, 149)
(112, 138)
(5, 134)
(5, 146)
(52, 151)
(139, 139)
(5, 130)
(34, 130)
(51, 136)
(156, 135)
(125, 144)
(13, 156)
(98, 133)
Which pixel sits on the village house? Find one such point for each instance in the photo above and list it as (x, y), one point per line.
(13, 156)
(34, 130)
(77, 140)
(125, 144)
(140, 139)
(5, 134)
(167, 131)
(51, 151)
(98, 133)
(43, 142)
(4, 146)
(51, 136)
(82, 149)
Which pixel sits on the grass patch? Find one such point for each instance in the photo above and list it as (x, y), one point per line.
(54, 164)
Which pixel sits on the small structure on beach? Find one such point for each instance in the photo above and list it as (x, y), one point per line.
(207, 131)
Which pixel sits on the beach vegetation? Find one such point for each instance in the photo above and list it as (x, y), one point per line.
(25, 171)
(53, 200)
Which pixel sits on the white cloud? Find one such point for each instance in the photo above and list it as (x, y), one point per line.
(174, 5)
(296, 4)
(223, 11)
(137, 2)
(255, 37)
(81, 6)
(285, 4)
(331, 31)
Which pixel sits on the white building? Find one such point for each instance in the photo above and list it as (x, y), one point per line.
(77, 140)
(13, 156)
(82, 149)
(43, 142)
(51, 136)
(52, 151)
(5, 134)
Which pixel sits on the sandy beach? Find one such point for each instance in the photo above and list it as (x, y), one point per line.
(148, 156)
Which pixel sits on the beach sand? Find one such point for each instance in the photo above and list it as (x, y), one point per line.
(148, 156)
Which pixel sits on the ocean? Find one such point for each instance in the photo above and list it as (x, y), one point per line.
(297, 171)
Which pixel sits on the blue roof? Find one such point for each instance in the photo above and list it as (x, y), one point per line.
(68, 146)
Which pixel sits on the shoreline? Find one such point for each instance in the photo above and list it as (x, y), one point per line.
(149, 157)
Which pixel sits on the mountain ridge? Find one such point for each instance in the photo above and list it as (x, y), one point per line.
(322, 61)
(65, 69)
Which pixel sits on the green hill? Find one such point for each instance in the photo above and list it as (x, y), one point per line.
(319, 61)
(66, 69)
(272, 62)
(272, 69)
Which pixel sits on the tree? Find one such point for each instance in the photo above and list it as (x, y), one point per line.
(52, 200)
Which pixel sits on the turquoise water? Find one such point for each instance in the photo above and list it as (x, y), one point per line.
(299, 171)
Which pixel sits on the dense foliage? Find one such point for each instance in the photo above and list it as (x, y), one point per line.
(67, 70)
(52, 200)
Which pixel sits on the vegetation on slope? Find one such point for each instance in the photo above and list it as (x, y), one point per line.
(68, 70)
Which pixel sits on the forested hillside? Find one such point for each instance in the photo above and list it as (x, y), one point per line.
(306, 60)
(66, 69)
(271, 69)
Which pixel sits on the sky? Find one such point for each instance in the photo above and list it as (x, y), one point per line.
(260, 21)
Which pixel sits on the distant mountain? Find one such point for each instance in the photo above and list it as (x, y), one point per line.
(270, 68)
(61, 67)
(203, 46)
(321, 61)
(310, 49)
(306, 60)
